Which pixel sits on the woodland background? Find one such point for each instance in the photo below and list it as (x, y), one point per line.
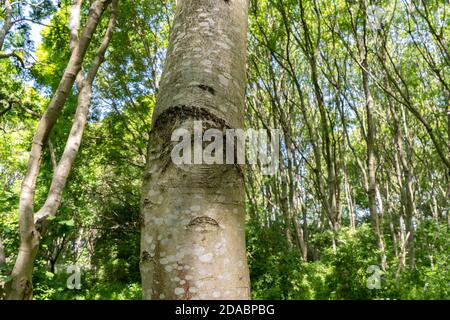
(342, 88)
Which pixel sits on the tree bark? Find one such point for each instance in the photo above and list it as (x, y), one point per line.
(193, 237)
(7, 24)
(2, 253)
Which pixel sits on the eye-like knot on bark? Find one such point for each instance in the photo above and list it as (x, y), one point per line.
(207, 88)
(145, 256)
(203, 224)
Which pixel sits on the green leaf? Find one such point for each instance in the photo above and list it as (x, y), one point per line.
(5, 279)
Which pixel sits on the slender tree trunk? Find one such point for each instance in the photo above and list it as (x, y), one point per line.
(409, 215)
(410, 207)
(285, 208)
(405, 179)
(2, 265)
(2, 253)
(434, 207)
(32, 226)
(391, 216)
(371, 170)
(7, 24)
(371, 156)
(299, 234)
(331, 202)
(350, 207)
(193, 237)
(301, 243)
(403, 239)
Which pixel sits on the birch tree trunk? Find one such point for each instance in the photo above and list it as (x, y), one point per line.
(193, 237)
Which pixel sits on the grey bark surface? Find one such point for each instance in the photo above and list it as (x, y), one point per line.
(7, 24)
(193, 216)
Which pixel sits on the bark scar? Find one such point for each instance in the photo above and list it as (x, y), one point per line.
(177, 113)
(203, 222)
(207, 88)
(146, 256)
